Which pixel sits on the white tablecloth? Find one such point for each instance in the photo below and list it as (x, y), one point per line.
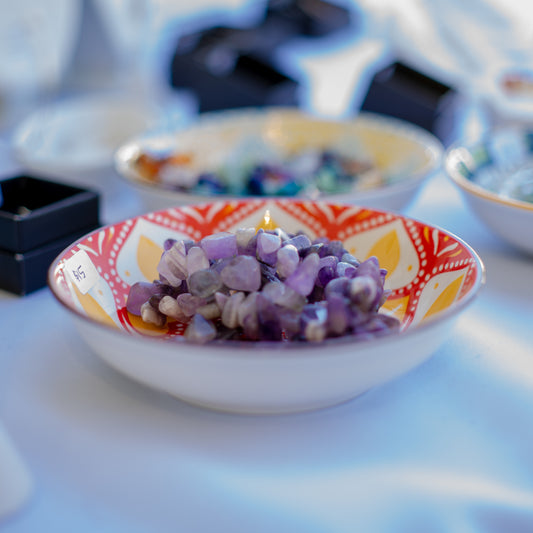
(447, 448)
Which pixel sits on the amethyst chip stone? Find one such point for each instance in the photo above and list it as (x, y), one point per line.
(264, 285)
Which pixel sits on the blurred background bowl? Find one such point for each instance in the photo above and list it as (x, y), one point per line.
(402, 154)
(432, 274)
(81, 135)
(74, 140)
(495, 177)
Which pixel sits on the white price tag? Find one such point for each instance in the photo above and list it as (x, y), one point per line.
(81, 271)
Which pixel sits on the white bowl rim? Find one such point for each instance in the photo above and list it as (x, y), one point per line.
(431, 143)
(287, 347)
(451, 154)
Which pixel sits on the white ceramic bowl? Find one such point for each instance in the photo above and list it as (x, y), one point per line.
(433, 276)
(82, 133)
(403, 154)
(485, 171)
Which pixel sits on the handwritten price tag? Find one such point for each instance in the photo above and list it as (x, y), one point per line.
(81, 271)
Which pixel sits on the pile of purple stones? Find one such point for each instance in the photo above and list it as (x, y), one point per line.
(264, 285)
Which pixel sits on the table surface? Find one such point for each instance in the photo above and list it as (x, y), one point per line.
(445, 448)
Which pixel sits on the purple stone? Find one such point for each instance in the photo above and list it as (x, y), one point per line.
(316, 248)
(289, 321)
(338, 314)
(365, 292)
(317, 311)
(370, 267)
(173, 264)
(378, 324)
(346, 269)
(170, 307)
(251, 246)
(245, 241)
(230, 313)
(220, 245)
(336, 248)
(268, 274)
(302, 280)
(242, 273)
(316, 295)
(325, 275)
(221, 299)
(140, 293)
(357, 317)
(196, 260)
(301, 242)
(315, 331)
(282, 234)
(313, 322)
(268, 245)
(328, 260)
(338, 286)
(151, 315)
(204, 283)
(287, 260)
(269, 327)
(167, 245)
(200, 330)
(283, 295)
(247, 316)
(189, 303)
(349, 258)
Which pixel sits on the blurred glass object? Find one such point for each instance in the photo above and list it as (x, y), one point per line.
(37, 40)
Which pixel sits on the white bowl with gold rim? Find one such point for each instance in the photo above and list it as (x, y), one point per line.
(433, 276)
(495, 177)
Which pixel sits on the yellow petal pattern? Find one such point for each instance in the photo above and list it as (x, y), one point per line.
(445, 298)
(93, 309)
(387, 249)
(148, 256)
(396, 307)
(145, 328)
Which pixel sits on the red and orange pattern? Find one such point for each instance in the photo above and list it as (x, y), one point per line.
(429, 270)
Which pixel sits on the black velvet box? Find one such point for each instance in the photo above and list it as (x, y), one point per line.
(225, 70)
(405, 93)
(236, 67)
(38, 219)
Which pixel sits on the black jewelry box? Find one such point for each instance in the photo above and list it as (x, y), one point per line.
(405, 93)
(38, 219)
(225, 70)
(236, 67)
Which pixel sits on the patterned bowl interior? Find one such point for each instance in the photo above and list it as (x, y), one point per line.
(430, 271)
(399, 150)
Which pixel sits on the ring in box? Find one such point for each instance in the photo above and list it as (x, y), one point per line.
(38, 219)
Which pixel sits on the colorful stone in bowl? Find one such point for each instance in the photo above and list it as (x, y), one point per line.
(495, 177)
(432, 274)
(371, 160)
